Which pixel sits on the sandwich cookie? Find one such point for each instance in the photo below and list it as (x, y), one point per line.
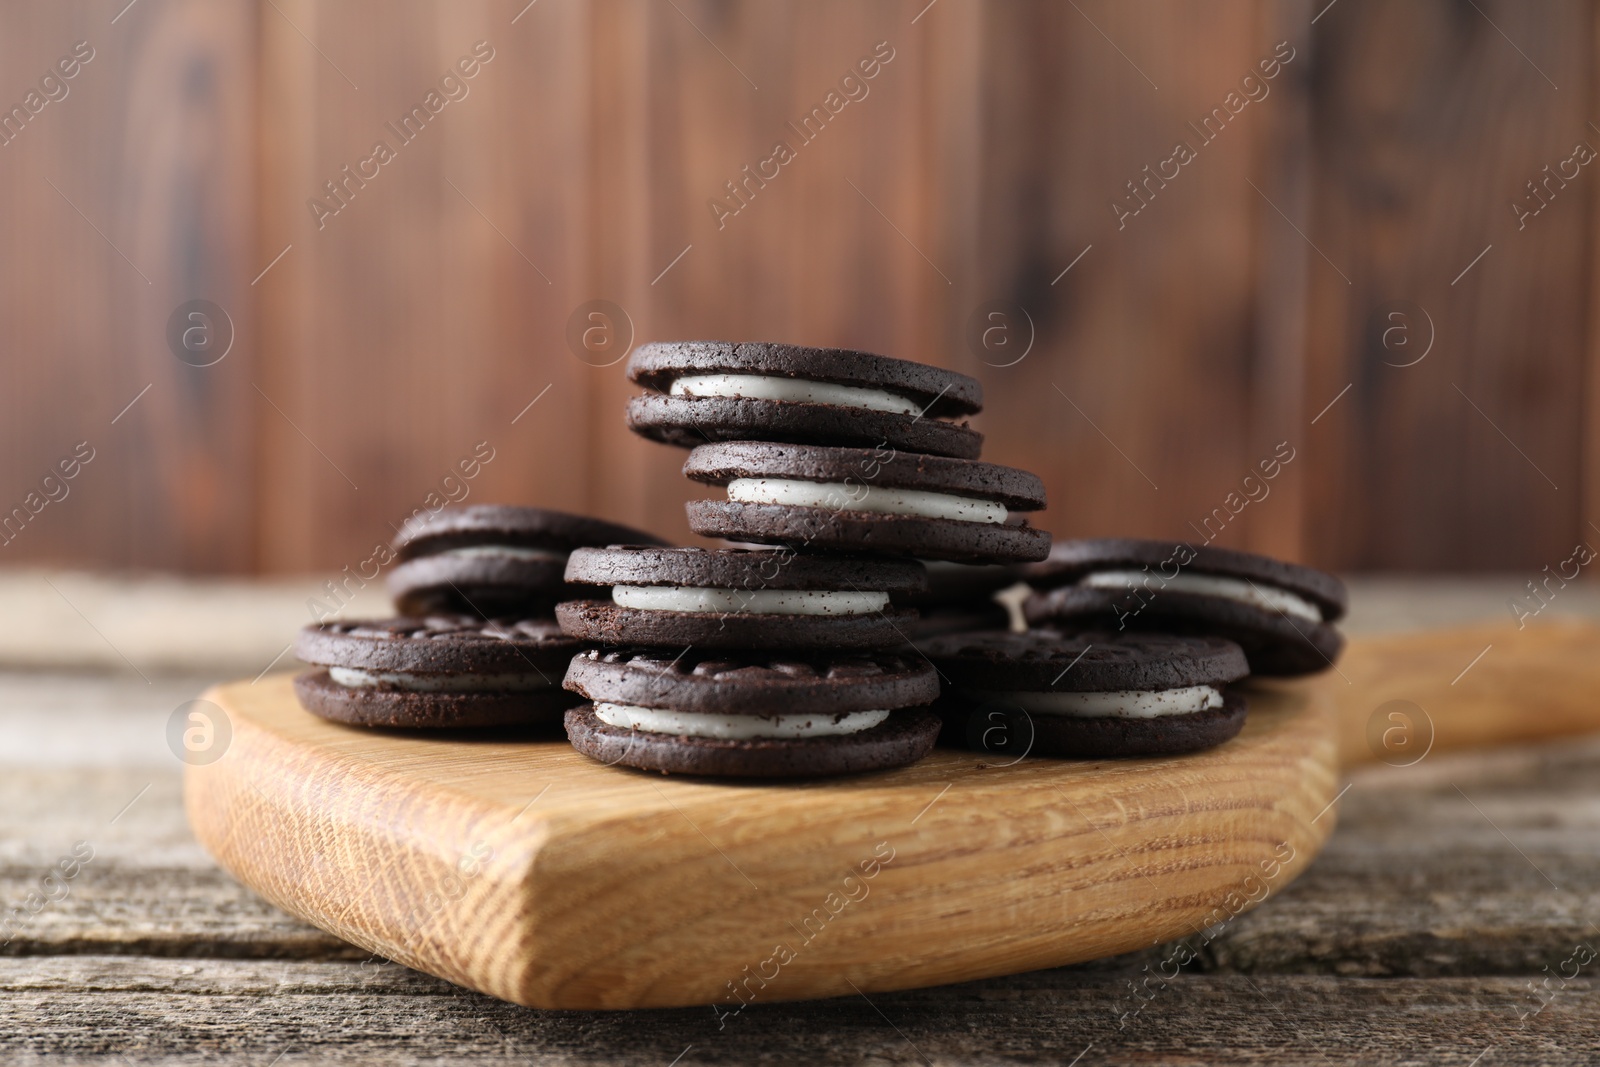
(441, 672)
(739, 598)
(1090, 695)
(1281, 614)
(493, 560)
(961, 597)
(750, 715)
(867, 500)
(720, 391)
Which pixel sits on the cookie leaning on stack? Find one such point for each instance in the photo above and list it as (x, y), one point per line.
(1282, 614)
(442, 664)
(494, 560)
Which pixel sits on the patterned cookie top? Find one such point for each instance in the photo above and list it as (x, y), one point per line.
(945, 392)
(743, 569)
(752, 682)
(1080, 662)
(438, 644)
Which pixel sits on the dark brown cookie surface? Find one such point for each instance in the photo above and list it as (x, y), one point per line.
(1003, 729)
(748, 682)
(489, 586)
(691, 421)
(964, 584)
(902, 739)
(439, 645)
(742, 569)
(1071, 560)
(402, 709)
(611, 624)
(1083, 662)
(940, 392)
(956, 619)
(824, 529)
(1275, 643)
(442, 672)
(866, 468)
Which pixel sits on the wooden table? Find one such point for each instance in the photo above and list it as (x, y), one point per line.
(1451, 890)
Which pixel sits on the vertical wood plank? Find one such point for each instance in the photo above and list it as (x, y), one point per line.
(1136, 404)
(1428, 124)
(126, 197)
(425, 315)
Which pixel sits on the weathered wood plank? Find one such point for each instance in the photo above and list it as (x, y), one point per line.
(151, 143)
(1430, 121)
(160, 1011)
(1415, 882)
(1155, 335)
(409, 329)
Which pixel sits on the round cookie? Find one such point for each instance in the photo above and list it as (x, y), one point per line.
(750, 715)
(1280, 613)
(723, 391)
(442, 672)
(1089, 695)
(867, 500)
(739, 598)
(493, 560)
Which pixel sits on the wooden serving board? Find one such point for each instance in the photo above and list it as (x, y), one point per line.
(530, 873)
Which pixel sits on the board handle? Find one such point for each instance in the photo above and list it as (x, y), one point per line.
(1401, 696)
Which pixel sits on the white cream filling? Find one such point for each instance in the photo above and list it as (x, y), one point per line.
(435, 683)
(765, 387)
(502, 552)
(750, 601)
(1255, 594)
(1117, 704)
(734, 727)
(840, 497)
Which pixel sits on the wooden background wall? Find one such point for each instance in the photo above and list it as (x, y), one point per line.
(1184, 343)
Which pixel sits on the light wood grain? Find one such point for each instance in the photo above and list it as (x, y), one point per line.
(592, 887)
(1415, 883)
(617, 889)
(1531, 683)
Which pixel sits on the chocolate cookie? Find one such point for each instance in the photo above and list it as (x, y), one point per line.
(1281, 614)
(722, 391)
(751, 715)
(867, 500)
(739, 598)
(1090, 695)
(966, 584)
(493, 560)
(442, 672)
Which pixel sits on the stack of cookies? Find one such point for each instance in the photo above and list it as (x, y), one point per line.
(792, 660)
(884, 592)
(476, 643)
